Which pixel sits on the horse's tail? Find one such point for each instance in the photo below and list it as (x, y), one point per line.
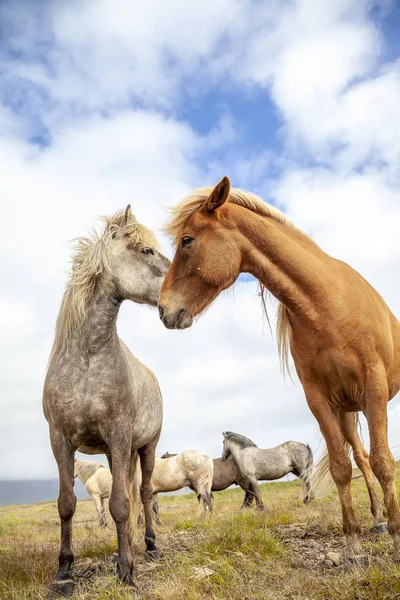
(135, 500)
(306, 487)
(204, 484)
(322, 481)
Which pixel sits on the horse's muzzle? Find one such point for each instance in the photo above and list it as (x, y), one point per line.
(180, 319)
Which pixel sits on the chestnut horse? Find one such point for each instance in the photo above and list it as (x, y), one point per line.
(344, 340)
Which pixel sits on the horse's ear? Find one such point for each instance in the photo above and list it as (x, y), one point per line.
(224, 435)
(218, 196)
(127, 216)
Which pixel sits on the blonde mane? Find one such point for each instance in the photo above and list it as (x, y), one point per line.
(181, 213)
(89, 261)
(179, 216)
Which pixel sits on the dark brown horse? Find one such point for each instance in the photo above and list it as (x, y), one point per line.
(344, 340)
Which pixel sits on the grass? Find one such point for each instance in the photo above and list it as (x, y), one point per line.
(232, 555)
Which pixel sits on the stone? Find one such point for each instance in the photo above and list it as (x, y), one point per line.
(201, 572)
(328, 563)
(334, 557)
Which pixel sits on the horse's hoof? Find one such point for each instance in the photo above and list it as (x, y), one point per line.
(128, 581)
(61, 589)
(152, 555)
(381, 528)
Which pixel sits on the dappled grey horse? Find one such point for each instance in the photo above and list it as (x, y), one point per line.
(99, 398)
(257, 464)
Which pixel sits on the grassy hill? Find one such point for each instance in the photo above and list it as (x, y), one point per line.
(232, 555)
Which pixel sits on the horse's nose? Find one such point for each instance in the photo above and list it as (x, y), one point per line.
(161, 312)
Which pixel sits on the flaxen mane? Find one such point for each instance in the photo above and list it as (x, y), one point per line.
(89, 262)
(183, 211)
(241, 440)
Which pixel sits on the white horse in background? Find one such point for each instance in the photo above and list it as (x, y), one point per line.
(98, 482)
(190, 468)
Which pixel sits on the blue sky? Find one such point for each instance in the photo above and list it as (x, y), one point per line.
(112, 102)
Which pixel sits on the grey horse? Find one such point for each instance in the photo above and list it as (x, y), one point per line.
(256, 464)
(98, 398)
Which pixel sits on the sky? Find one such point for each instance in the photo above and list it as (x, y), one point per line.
(113, 102)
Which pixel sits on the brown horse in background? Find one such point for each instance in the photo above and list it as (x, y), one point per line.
(344, 340)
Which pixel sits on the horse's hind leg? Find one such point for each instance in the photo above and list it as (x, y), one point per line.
(63, 585)
(249, 496)
(156, 511)
(147, 459)
(348, 426)
(381, 459)
(339, 466)
(100, 510)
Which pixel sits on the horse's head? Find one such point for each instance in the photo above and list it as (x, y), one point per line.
(207, 258)
(226, 447)
(136, 266)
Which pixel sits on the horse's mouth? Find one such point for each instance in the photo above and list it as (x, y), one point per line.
(181, 320)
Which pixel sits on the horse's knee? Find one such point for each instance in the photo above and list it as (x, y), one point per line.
(341, 469)
(66, 504)
(119, 507)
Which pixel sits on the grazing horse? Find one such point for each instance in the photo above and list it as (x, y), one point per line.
(98, 398)
(344, 340)
(98, 483)
(258, 464)
(190, 468)
(226, 473)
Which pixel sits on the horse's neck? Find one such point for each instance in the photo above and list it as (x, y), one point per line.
(286, 263)
(98, 329)
(86, 471)
(235, 451)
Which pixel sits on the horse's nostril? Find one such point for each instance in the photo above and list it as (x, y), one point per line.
(161, 311)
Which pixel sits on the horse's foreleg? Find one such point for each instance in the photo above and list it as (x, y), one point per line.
(254, 491)
(348, 426)
(63, 585)
(100, 510)
(248, 497)
(381, 459)
(339, 466)
(147, 459)
(120, 511)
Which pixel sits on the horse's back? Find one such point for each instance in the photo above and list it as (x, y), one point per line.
(265, 463)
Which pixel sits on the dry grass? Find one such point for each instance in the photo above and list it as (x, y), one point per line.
(232, 555)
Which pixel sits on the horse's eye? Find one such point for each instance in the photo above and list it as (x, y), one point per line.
(147, 251)
(186, 241)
